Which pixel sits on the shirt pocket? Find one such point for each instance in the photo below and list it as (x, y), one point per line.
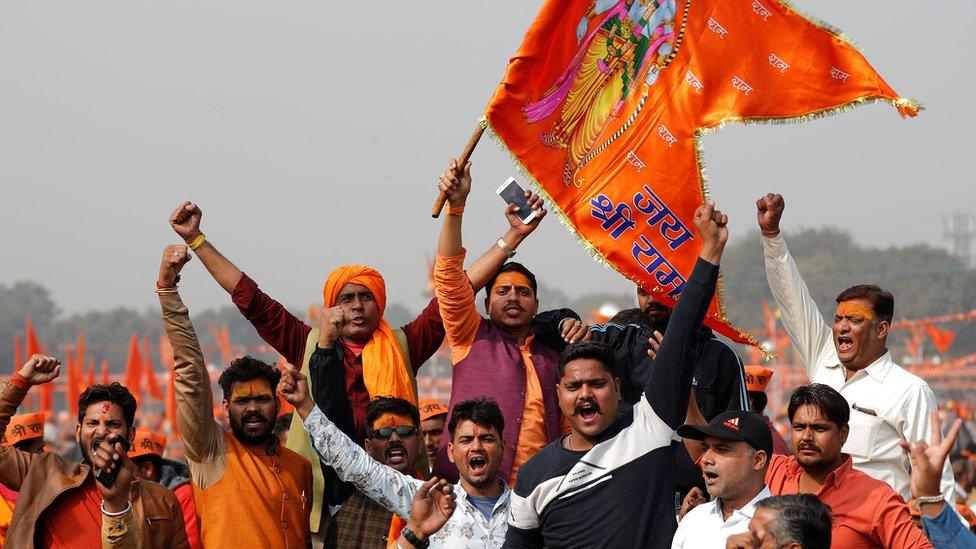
(863, 434)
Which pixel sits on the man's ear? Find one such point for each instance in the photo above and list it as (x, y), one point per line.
(450, 451)
(844, 431)
(883, 329)
(226, 406)
(368, 445)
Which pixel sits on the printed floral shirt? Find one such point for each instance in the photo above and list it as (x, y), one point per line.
(467, 527)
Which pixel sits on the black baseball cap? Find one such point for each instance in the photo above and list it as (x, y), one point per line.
(748, 427)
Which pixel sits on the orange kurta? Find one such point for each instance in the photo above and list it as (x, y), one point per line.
(259, 501)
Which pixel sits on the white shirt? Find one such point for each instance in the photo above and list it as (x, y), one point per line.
(467, 527)
(705, 527)
(901, 402)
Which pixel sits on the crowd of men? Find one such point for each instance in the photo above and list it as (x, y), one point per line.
(643, 432)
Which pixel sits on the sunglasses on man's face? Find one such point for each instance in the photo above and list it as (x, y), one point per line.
(402, 431)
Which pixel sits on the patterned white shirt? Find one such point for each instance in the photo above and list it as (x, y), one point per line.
(467, 527)
(888, 403)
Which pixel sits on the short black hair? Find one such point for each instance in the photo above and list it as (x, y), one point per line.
(483, 410)
(759, 401)
(803, 519)
(631, 316)
(112, 392)
(832, 404)
(517, 267)
(595, 350)
(247, 368)
(389, 404)
(882, 302)
(156, 460)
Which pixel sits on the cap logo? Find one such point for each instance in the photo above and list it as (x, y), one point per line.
(732, 423)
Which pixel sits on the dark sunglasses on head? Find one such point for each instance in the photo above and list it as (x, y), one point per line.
(402, 431)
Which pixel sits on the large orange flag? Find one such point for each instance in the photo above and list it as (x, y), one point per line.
(133, 369)
(605, 103)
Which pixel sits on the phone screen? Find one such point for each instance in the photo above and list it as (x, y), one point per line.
(512, 193)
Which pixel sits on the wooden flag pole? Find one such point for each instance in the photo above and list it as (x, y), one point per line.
(462, 160)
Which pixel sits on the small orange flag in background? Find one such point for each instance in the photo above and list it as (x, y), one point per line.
(34, 347)
(71, 380)
(168, 362)
(941, 339)
(605, 103)
(133, 369)
(91, 373)
(18, 354)
(151, 382)
(106, 374)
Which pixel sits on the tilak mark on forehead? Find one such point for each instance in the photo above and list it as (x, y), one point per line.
(512, 278)
(250, 389)
(846, 309)
(390, 419)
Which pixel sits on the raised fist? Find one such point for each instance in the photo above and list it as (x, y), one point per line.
(456, 183)
(174, 257)
(185, 220)
(41, 369)
(769, 210)
(711, 224)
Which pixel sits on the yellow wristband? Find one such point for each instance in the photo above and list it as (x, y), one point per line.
(455, 210)
(198, 241)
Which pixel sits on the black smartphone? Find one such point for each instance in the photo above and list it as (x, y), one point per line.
(513, 193)
(108, 478)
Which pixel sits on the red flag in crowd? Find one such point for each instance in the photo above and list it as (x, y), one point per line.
(133, 369)
(151, 381)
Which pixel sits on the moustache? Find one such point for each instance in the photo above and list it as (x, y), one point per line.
(253, 415)
(807, 446)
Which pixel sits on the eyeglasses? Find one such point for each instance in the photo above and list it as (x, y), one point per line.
(402, 431)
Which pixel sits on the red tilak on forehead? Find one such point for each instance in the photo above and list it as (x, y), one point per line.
(106, 407)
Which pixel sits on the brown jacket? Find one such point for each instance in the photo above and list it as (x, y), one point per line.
(43, 477)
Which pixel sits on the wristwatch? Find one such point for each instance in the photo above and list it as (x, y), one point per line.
(414, 540)
(505, 247)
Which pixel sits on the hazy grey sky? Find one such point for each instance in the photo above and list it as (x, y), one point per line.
(312, 134)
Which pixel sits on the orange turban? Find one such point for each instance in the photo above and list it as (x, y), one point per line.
(385, 369)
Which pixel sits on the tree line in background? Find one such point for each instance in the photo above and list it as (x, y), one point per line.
(925, 280)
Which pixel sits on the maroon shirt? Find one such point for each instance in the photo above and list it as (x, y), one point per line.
(287, 334)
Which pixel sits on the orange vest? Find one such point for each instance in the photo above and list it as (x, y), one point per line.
(260, 501)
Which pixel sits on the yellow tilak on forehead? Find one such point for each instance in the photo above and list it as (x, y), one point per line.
(250, 389)
(852, 308)
(390, 419)
(512, 278)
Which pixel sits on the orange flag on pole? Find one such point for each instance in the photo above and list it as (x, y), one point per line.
(91, 374)
(34, 347)
(71, 380)
(18, 354)
(168, 362)
(941, 339)
(106, 373)
(133, 369)
(151, 382)
(605, 103)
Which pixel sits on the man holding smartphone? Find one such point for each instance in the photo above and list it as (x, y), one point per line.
(496, 357)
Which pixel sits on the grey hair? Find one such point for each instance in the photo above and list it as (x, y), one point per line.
(803, 519)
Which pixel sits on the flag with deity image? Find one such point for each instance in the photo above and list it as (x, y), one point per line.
(605, 103)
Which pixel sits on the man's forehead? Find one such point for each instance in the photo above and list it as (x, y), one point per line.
(468, 427)
(585, 369)
(250, 388)
(110, 410)
(512, 278)
(810, 413)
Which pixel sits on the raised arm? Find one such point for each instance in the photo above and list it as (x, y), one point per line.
(456, 292)
(801, 317)
(202, 437)
(285, 332)
(669, 384)
(38, 370)
(389, 488)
